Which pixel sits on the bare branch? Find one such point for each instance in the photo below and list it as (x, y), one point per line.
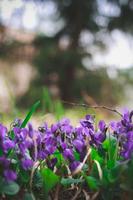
(57, 192)
(87, 197)
(94, 107)
(76, 194)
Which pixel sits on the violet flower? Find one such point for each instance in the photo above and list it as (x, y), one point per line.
(10, 175)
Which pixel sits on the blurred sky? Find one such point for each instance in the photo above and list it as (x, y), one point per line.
(20, 15)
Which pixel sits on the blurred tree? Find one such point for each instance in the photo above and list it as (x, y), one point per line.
(63, 53)
(54, 56)
(124, 18)
(60, 57)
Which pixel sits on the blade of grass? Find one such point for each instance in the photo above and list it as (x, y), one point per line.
(30, 113)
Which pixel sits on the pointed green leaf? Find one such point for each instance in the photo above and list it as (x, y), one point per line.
(50, 179)
(92, 182)
(30, 113)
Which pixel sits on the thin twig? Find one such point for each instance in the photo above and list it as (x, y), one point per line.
(87, 197)
(79, 168)
(99, 169)
(94, 107)
(35, 166)
(76, 194)
(57, 192)
(95, 196)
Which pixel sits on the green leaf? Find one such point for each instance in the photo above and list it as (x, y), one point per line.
(111, 147)
(95, 156)
(110, 163)
(1, 184)
(69, 181)
(37, 179)
(76, 156)
(12, 135)
(92, 182)
(1, 152)
(47, 101)
(60, 158)
(24, 176)
(59, 110)
(30, 113)
(50, 179)
(10, 188)
(29, 196)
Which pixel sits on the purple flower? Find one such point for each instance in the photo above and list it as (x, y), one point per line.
(22, 148)
(30, 131)
(88, 122)
(99, 137)
(63, 145)
(10, 175)
(54, 127)
(4, 162)
(124, 131)
(23, 134)
(102, 126)
(68, 154)
(79, 145)
(3, 131)
(8, 144)
(130, 136)
(65, 126)
(50, 149)
(74, 165)
(42, 154)
(27, 164)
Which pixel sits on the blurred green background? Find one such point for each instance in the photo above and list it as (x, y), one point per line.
(72, 50)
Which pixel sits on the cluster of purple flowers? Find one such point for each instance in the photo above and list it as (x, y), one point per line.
(123, 130)
(27, 146)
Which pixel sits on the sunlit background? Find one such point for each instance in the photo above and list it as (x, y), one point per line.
(81, 51)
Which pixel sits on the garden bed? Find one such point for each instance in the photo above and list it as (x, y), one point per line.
(89, 161)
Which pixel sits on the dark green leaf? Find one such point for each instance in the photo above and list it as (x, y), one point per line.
(60, 158)
(29, 196)
(24, 176)
(37, 180)
(76, 155)
(92, 182)
(32, 110)
(96, 156)
(10, 188)
(47, 101)
(12, 135)
(50, 179)
(1, 152)
(69, 181)
(59, 110)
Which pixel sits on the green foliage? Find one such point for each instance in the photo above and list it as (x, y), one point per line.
(51, 106)
(49, 180)
(98, 166)
(10, 188)
(92, 182)
(59, 110)
(69, 181)
(66, 63)
(29, 196)
(47, 103)
(30, 113)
